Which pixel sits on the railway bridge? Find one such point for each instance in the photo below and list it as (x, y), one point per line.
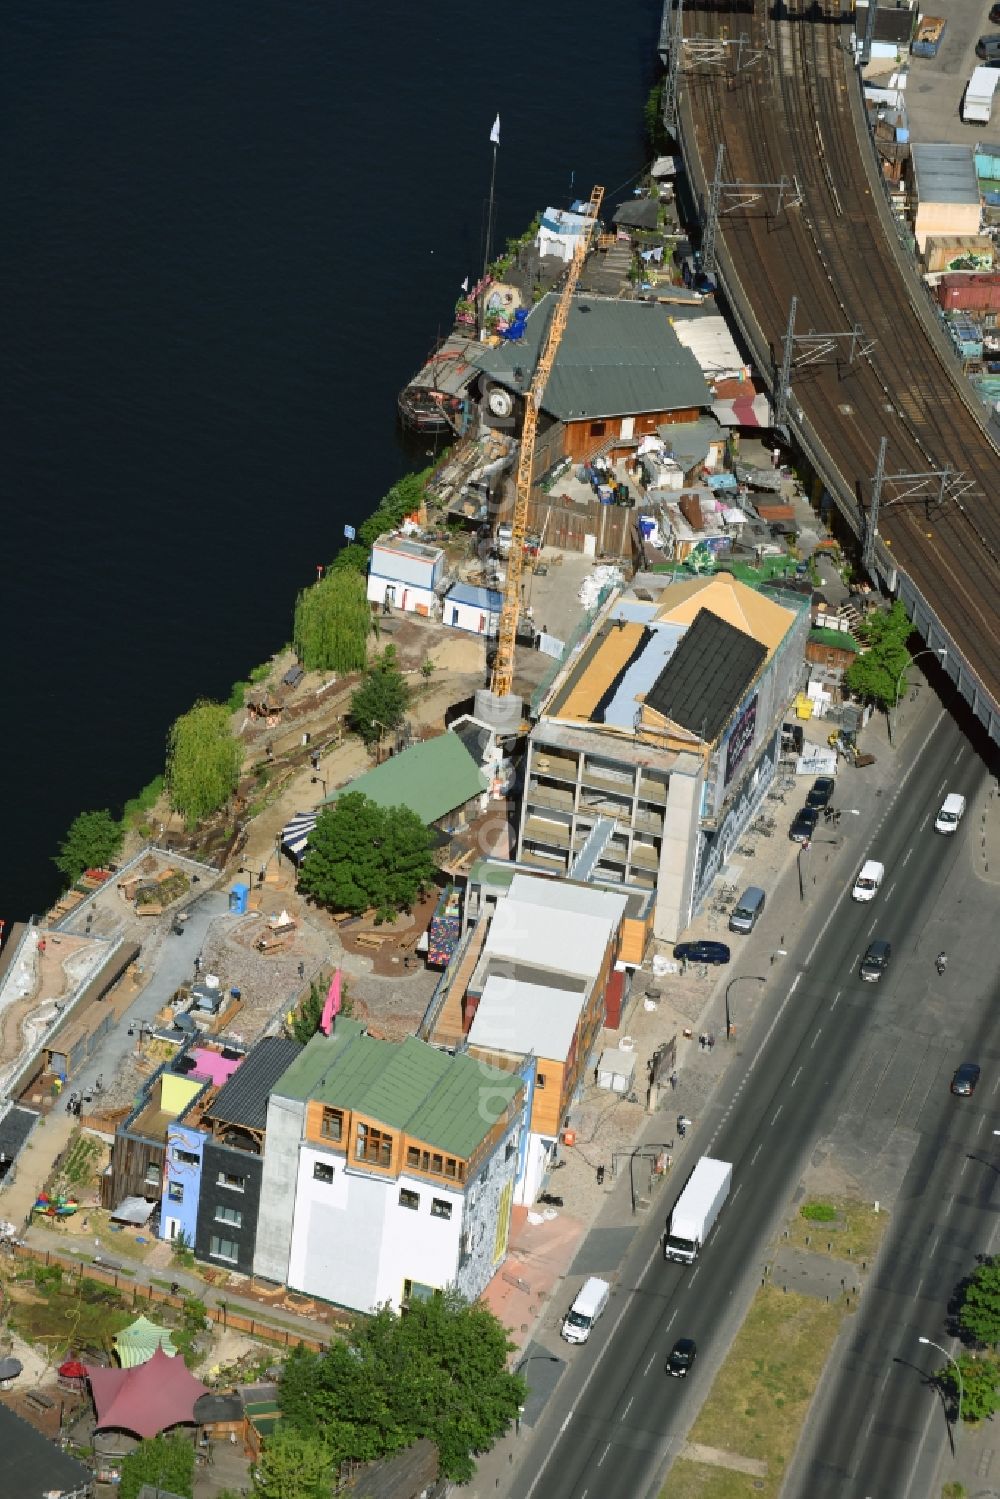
(793, 207)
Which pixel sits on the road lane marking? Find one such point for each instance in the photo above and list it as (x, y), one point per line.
(565, 1423)
(839, 992)
(739, 1189)
(649, 1366)
(873, 926)
(604, 1454)
(909, 852)
(796, 1077)
(815, 1039)
(964, 1164)
(888, 894)
(937, 1240)
(776, 1113)
(925, 822)
(629, 1406)
(940, 788)
(958, 758)
(756, 1154)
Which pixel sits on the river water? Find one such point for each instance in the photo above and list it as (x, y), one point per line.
(232, 230)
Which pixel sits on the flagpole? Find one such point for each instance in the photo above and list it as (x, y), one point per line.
(495, 138)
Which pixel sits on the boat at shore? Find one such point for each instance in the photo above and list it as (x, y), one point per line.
(437, 398)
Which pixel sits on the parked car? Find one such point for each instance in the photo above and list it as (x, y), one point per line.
(875, 961)
(682, 1356)
(869, 879)
(988, 49)
(994, 16)
(965, 1079)
(822, 790)
(701, 951)
(804, 825)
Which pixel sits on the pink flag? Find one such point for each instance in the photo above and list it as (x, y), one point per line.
(332, 1006)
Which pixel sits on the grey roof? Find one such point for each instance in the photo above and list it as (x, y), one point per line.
(15, 1127)
(689, 442)
(707, 675)
(32, 1465)
(243, 1100)
(945, 174)
(616, 359)
(213, 1407)
(639, 213)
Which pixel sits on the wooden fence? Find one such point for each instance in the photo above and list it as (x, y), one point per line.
(223, 1314)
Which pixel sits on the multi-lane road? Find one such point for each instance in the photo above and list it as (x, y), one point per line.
(825, 1044)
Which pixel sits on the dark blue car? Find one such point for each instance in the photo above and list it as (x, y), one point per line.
(701, 951)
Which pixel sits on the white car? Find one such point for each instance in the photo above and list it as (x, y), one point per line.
(867, 883)
(950, 814)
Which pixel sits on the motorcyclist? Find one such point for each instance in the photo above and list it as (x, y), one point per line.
(941, 962)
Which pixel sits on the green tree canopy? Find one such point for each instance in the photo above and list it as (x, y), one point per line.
(203, 761)
(332, 621)
(439, 1372)
(381, 701)
(979, 1314)
(880, 671)
(352, 556)
(92, 840)
(294, 1465)
(404, 498)
(980, 1386)
(164, 1462)
(362, 856)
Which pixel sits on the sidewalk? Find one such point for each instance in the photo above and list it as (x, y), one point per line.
(697, 1005)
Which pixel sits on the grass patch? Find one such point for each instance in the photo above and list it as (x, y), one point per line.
(760, 1397)
(68, 1311)
(80, 1166)
(854, 1232)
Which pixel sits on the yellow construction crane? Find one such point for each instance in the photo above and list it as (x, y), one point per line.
(503, 663)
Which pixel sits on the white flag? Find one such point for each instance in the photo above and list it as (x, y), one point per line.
(495, 132)
(465, 284)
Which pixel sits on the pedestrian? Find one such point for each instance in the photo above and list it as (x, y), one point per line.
(701, 1043)
(710, 1042)
(673, 1080)
(302, 970)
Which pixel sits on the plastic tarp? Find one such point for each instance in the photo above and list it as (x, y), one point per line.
(135, 1210)
(147, 1399)
(136, 1344)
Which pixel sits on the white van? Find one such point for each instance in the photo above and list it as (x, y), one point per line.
(867, 883)
(591, 1300)
(951, 813)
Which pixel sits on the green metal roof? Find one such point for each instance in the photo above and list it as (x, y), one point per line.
(616, 359)
(449, 1101)
(432, 778)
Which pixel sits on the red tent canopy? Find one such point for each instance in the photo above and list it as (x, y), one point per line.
(146, 1399)
(72, 1369)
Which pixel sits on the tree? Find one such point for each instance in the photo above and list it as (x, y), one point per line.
(293, 1465)
(164, 1462)
(380, 702)
(332, 621)
(93, 840)
(439, 1372)
(352, 556)
(404, 498)
(980, 1386)
(880, 671)
(979, 1314)
(361, 856)
(305, 1021)
(203, 761)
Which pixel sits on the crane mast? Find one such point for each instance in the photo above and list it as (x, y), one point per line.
(503, 662)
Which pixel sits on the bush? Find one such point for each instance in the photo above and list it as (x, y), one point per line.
(147, 798)
(818, 1212)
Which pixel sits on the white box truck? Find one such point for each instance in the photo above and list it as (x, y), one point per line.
(696, 1210)
(977, 106)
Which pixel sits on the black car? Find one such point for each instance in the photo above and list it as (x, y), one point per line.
(804, 825)
(965, 1079)
(875, 961)
(682, 1356)
(995, 15)
(822, 790)
(702, 951)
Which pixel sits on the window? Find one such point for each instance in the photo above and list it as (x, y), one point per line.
(450, 1167)
(373, 1146)
(437, 1165)
(322, 1172)
(540, 1080)
(440, 1208)
(234, 1183)
(413, 1158)
(232, 1216)
(223, 1249)
(332, 1124)
(597, 429)
(408, 1199)
(186, 1157)
(153, 1174)
(415, 1290)
(175, 1192)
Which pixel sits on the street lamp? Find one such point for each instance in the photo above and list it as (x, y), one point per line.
(321, 780)
(940, 651)
(755, 978)
(958, 1373)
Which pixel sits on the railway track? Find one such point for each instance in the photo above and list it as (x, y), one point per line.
(792, 115)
